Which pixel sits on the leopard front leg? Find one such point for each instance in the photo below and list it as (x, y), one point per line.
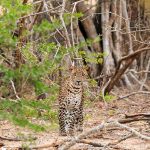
(70, 122)
(79, 119)
(62, 117)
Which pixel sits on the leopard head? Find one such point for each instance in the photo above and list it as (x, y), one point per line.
(77, 75)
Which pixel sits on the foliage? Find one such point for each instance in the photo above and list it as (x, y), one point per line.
(12, 11)
(109, 97)
(93, 83)
(22, 112)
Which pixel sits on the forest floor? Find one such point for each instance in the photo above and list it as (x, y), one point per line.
(95, 113)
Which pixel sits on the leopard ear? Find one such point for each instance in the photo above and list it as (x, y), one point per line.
(72, 66)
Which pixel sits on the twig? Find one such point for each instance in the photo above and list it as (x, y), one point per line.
(64, 26)
(9, 139)
(53, 11)
(120, 70)
(133, 93)
(101, 77)
(146, 75)
(57, 50)
(135, 118)
(136, 115)
(16, 138)
(53, 144)
(141, 136)
(143, 71)
(91, 143)
(72, 32)
(139, 82)
(14, 89)
(122, 139)
(132, 56)
(35, 17)
(4, 57)
(63, 23)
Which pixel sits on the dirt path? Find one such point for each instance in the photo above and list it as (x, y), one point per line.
(95, 112)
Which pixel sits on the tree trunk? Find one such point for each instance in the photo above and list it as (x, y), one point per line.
(106, 33)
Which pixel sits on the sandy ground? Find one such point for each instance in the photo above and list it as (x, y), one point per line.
(95, 112)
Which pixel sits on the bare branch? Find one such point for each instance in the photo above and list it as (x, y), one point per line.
(14, 89)
(91, 143)
(133, 93)
(122, 139)
(139, 82)
(120, 70)
(35, 17)
(139, 72)
(63, 23)
(135, 117)
(146, 75)
(143, 137)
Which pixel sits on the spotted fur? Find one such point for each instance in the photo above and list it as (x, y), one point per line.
(71, 102)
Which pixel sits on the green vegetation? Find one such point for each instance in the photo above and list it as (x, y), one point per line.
(109, 97)
(12, 11)
(22, 112)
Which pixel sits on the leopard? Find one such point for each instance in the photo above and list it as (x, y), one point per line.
(71, 100)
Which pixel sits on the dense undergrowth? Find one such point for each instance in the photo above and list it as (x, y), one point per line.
(22, 112)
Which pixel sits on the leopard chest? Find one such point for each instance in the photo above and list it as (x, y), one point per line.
(73, 100)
